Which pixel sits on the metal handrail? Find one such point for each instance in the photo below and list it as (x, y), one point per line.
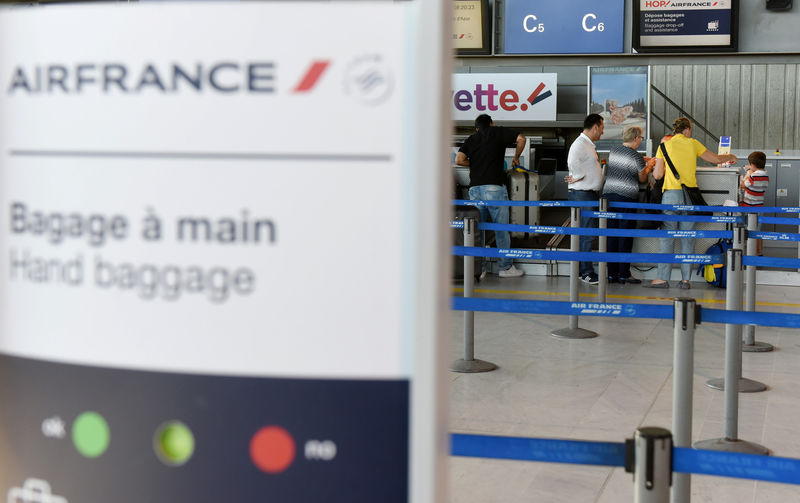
(683, 113)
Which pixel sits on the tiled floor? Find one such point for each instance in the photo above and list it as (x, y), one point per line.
(604, 388)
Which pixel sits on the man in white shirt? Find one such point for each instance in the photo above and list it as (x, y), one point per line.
(585, 180)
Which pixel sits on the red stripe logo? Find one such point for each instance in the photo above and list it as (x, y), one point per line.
(311, 77)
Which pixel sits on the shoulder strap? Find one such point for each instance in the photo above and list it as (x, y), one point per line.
(669, 162)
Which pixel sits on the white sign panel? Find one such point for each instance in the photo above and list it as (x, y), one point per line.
(186, 186)
(205, 228)
(504, 96)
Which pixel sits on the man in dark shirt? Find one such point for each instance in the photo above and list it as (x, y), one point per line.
(484, 153)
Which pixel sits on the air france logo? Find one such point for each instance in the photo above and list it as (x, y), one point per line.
(369, 80)
(486, 97)
(670, 3)
(224, 77)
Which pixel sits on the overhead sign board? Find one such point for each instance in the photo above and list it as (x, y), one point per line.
(471, 27)
(563, 27)
(177, 293)
(685, 26)
(504, 96)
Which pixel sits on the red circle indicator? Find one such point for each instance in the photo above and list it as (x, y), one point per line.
(523, 107)
(272, 449)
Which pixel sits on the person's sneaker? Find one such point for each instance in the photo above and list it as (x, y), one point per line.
(590, 278)
(511, 272)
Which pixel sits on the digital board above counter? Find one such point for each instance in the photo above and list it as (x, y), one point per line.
(685, 26)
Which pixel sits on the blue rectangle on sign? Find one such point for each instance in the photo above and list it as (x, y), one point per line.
(725, 141)
(564, 27)
(686, 22)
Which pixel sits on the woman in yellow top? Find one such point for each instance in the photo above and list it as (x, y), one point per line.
(683, 150)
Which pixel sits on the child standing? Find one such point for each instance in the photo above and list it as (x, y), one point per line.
(754, 185)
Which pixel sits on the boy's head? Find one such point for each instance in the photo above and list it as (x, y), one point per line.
(757, 159)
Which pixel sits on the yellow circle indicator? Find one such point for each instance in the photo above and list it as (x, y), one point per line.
(174, 443)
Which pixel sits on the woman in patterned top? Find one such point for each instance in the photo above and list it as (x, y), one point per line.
(624, 171)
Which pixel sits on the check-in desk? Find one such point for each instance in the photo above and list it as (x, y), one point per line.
(461, 173)
(717, 185)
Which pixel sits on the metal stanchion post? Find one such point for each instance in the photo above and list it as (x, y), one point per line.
(602, 267)
(573, 332)
(750, 345)
(738, 235)
(469, 364)
(733, 369)
(651, 464)
(733, 332)
(684, 322)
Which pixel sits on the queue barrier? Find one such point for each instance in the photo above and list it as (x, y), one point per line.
(621, 310)
(775, 236)
(721, 209)
(778, 262)
(526, 253)
(654, 217)
(637, 206)
(685, 314)
(685, 460)
(779, 220)
(581, 231)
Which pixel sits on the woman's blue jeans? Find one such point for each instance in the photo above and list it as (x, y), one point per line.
(667, 245)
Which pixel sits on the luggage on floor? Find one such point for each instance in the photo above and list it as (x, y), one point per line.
(716, 274)
(523, 186)
(461, 212)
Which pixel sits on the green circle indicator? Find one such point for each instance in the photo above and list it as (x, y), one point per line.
(90, 434)
(174, 443)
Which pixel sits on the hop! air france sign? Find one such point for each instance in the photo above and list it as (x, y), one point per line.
(505, 96)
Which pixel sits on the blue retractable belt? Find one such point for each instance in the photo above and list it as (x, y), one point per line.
(639, 258)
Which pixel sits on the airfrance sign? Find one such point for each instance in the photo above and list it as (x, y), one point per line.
(563, 27)
(504, 96)
(669, 23)
(116, 78)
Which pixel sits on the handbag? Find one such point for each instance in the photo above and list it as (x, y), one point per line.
(691, 194)
(652, 195)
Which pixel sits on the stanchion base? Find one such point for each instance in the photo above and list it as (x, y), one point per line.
(472, 366)
(728, 445)
(757, 347)
(745, 385)
(573, 333)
